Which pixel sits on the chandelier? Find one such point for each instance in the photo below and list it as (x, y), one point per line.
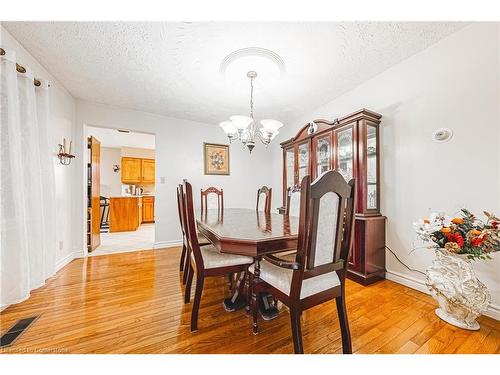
(246, 130)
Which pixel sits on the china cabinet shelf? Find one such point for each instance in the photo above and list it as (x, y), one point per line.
(349, 145)
(345, 159)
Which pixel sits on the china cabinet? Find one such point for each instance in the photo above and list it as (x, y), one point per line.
(349, 145)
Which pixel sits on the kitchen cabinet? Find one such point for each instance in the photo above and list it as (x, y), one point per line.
(131, 170)
(148, 171)
(125, 213)
(148, 209)
(349, 145)
(137, 170)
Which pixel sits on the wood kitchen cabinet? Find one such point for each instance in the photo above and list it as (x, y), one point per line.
(131, 170)
(124, 213)
(148, 209)
(148, 171)
(137, 170)
(349, 145)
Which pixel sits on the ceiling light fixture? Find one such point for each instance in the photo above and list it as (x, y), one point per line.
(245, 128)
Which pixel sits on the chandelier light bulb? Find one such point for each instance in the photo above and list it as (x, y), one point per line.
(228, 127)
(241, 122)
(271, 125)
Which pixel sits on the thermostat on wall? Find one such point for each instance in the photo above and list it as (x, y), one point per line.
(442, 135)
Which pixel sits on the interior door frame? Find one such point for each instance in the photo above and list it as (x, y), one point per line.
(95, 194)
(82, 138)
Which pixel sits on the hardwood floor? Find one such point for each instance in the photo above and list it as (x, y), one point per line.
(132, 303)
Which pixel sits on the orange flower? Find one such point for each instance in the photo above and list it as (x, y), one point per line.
(457, 220)
(427, 221)
(477, 241)
(445, 230)
(475, 232)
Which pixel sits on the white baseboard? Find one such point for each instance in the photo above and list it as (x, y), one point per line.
(164, 244)
(68, 258)
(493, 311)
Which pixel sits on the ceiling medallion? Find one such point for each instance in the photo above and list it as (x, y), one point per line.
(250, 52)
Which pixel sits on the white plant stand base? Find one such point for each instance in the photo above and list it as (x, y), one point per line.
(474, 326)
(461, 297)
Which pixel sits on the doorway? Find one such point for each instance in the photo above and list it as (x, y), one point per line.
(120, 190)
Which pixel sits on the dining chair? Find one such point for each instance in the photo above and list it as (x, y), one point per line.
(293, 201)
(316, 273)
(264, 195)
(204, 261)
(205, 195)
(201, 239)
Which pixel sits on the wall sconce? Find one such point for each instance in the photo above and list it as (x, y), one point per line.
(65, 157)
(116, 168)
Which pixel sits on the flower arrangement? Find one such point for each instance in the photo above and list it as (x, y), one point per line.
(465, 235)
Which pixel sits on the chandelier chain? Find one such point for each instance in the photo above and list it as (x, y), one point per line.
(251, 97)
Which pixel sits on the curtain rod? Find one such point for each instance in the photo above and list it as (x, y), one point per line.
(22, 69)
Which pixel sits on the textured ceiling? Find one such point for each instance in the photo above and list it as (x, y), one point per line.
(173, 68)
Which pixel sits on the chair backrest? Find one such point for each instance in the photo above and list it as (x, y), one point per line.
(264, 195)
(217, 201)
(190, 224)
(326, 227)
(293, 201)
(180, 210)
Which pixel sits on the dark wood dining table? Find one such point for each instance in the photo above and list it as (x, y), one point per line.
(242, 231)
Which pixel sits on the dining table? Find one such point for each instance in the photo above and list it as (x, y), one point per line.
(243, 231)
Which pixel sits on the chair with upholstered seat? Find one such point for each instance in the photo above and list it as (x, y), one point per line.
(316, 273)
(264, 195)
(201, 240)
(204, 261)
(212, 198)
(293, 201)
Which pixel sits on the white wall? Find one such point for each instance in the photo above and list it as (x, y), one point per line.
(135, 152)
(179, 155)
(454, 83)
(62, 112)
(111, 183)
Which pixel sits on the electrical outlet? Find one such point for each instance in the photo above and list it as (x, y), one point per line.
(60, 245)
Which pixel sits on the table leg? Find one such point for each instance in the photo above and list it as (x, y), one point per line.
(248, 293)
(255, 302)
(238, 300)
(268, 310)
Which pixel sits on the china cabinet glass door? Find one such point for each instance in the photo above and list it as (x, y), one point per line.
(323, 155)
(290, 167)
(345, 161)
(371, 168)
(303, 159)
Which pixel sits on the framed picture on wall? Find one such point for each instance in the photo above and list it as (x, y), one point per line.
(216, 158)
